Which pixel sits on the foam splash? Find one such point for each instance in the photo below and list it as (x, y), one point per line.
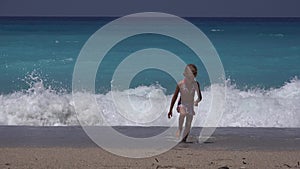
(38, 105)
(263, 108)
(43, 106)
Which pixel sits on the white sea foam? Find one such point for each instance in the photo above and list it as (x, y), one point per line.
(263, 108)
(217, 30)
(40, 106)
(279, 35)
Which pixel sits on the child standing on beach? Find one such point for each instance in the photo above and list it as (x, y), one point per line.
(187, 88)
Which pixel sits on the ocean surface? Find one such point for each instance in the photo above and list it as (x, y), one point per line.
(261, 58)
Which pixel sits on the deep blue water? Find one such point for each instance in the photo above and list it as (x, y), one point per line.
(257, 52)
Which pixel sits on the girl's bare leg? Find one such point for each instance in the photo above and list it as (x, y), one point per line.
(181, 120)
(187, 128)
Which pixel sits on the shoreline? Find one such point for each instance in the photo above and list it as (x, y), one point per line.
(231, 138)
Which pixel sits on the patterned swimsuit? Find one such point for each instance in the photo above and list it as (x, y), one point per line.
(188, 107)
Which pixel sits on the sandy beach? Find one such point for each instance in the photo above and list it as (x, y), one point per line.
(69, 147)
(177, 158)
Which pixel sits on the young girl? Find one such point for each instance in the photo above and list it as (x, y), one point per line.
(187, 88)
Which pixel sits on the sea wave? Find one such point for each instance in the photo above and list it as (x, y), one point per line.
(43, 106)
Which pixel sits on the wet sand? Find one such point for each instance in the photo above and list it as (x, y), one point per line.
(69, 147)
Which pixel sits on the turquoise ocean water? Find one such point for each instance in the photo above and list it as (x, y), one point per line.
(261, 58)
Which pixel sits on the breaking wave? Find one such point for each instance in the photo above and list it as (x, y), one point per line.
(43, 106)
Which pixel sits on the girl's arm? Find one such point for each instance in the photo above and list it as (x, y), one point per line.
(174, 98)
(198, 94)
